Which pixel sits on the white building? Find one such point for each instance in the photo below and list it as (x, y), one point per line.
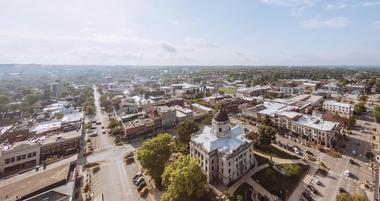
(313, 128)
(343, 109)
(223, 152)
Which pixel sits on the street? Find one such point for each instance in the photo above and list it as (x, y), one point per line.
(114, 179)
(331, 183)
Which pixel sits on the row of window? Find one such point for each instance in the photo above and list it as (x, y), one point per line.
(20, 157)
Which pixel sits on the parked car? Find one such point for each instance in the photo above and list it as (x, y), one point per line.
(341, 190)
(312, 189)
(316, 181)
(352, 161)
(141, 186)
(129, 160)
(137, 175)
(347, 173)
(144, 191)
(139, 181)
(307, 196)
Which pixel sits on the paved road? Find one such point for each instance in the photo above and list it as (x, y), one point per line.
(335, 178)
(113, 180)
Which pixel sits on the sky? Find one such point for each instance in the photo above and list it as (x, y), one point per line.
(190, 32)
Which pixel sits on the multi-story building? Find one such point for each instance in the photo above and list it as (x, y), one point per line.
(29, 153)
(18, 156)
(292, 90)
(183, 113)
(168, 115)
(251, 91)
(343, 109)
(312, 128)
(138, 127)
(186, 90)
(223, 152)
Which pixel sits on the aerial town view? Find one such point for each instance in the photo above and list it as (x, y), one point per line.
(139, 100)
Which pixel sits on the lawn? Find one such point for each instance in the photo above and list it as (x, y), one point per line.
(274, 152)
(245, 191)
(279, 184)
(227, 90)
(261, 160)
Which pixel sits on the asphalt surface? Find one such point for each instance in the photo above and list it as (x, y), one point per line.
(114, 179)
(331, 183)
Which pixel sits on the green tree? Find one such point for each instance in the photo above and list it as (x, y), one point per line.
(363, 98)
(113, 123)
(153, 155)
(359, 107)
(4, 100)
(265, 120)
(347, 197)
(89, 109)
(266, 135)
(376, 114)
(183, 180)
(343, 197)
(351, 121)
(185, 129)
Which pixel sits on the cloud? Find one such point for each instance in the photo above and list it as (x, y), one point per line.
(168, 47)
(377, 24)
(371, 3)
(338, 6)
(297, 6)
(333, 23)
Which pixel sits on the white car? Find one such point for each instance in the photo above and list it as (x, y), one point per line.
(316, 181)
(346, 173)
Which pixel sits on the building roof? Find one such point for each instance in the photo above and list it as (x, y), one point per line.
(46, 127)
(225, 145)
(221, 115)
(331, 102)
(316, 123)
(73, 117)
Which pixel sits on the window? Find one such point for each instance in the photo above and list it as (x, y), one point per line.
(34, 154)
(23, 156)
(212, 168)
(18, 158)
(229, 171)
(220, 129)
(212, 161)
(29, 155)
(12, 159)
(229, 163)
(7, 161)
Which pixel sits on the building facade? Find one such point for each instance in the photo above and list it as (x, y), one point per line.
(223, 152)
(342, 109)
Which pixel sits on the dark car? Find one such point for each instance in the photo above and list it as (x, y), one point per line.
(138, 175)
(141, 185)
(312, 189)
(307, 196)
(341, 190)
(139, 181)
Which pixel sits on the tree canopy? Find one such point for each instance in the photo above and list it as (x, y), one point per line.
(359, 107)
(185, 129)
(183, 180)
(153, 155)
(266, 135)
(347, 197)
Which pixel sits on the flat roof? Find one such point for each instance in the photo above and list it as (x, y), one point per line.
(25, 186)
(46, 126)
